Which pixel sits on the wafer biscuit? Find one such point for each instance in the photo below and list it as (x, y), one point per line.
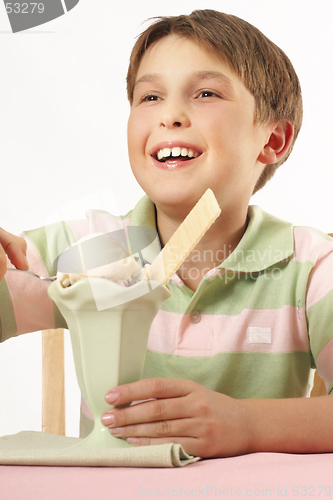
(185, 238)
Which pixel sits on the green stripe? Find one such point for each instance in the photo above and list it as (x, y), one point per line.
(178, 301)
(144, 213)
(268, 240)
(127, 216)
(321, 327)
(7, 317)
(239, 375)
(283, 284)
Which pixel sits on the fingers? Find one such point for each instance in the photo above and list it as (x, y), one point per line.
(166, 415)
(204, 422)
(156, 422)
(149, 388)
(158, 410)
(15, 248)
(161, 429)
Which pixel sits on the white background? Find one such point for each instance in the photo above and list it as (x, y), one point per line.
(63, 113)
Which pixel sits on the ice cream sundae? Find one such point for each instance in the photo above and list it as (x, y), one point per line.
(123, 268)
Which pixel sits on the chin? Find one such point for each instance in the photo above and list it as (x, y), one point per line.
(175, 200)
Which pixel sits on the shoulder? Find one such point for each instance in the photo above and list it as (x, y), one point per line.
(304, 243)
(311, 245)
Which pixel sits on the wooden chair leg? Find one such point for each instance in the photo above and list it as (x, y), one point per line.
(53, 382)
(319, 387)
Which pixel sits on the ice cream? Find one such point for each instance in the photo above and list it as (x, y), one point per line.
(123, 270)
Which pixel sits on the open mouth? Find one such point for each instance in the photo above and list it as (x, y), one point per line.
(176, 154)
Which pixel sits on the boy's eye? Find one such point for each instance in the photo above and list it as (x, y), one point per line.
(149, 98)
(207, 93)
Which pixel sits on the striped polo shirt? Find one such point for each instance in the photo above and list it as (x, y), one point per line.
(253, 328)
(258, 322)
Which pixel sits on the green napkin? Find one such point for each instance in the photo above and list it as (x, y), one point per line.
(40, 448)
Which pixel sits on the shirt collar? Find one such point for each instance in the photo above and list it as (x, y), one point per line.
(144, 214)
(266, 241)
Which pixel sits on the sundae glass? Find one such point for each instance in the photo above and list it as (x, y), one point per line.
(109, 344)
(109, 312)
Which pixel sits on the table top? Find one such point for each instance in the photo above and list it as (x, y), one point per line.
(258, 475)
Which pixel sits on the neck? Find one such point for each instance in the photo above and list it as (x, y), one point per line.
(215, 246)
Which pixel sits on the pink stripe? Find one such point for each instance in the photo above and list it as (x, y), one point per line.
(85, 410)
(96, 223)
(126, 222)
(324, 363)
(310, 245)
(79, 228)
(320, 280)
(30, 315)
(288, 330)
(176, 280)
(195, 336)
(104, 222)
(223, 333)
(162, 335)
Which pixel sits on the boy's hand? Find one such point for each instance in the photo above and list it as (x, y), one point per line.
(206, 423)
(15, 247)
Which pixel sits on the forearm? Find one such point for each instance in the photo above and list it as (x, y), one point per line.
(300, 425)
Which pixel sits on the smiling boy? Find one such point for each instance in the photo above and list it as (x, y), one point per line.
(214, 104)
(186, 97)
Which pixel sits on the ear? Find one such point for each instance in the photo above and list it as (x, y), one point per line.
(277, 144)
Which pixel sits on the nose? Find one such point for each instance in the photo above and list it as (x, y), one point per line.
(174, 115)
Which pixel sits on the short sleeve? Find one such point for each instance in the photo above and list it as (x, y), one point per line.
(319, 311)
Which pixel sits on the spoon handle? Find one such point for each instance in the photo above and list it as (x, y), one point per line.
(47, 279)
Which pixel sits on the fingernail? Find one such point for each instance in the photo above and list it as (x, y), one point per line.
(111, 397)
(107, 419)
(116, 431)
(133, 440)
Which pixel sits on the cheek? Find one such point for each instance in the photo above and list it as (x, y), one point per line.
(136, 135)
(136, 149)
(132, 139)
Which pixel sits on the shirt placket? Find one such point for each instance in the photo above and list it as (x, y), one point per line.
(194, 336)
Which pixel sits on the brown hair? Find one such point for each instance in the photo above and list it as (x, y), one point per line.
(262, 66)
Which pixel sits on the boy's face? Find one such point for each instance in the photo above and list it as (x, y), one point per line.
(188, 99)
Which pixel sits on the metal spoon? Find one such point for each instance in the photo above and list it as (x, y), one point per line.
(47, 279)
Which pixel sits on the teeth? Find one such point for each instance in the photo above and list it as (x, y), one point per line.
(163, 153)
(176, 151)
